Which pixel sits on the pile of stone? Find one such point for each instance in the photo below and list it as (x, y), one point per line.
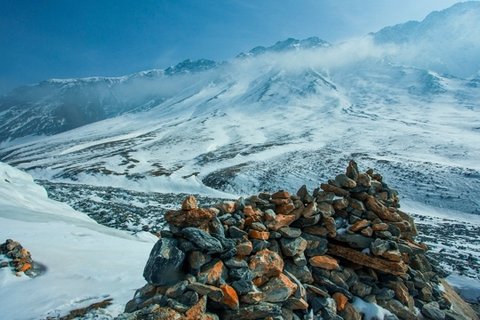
(17, 257)
(322, 255)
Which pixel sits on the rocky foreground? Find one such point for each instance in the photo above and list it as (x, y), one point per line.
(345, 251)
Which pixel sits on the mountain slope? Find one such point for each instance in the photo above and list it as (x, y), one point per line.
(275, 118)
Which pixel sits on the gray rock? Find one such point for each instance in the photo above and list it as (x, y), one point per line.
(236, 233)
(432, 311)
(293, 247)
(300, 260)
(384, 294)
(177, 290)
(188, 298)
(301, 273)
(398, 309)
(355, 240)
(361, 289)
(289, 232)
(203, 240)
(259, 245)
(251, 312)
(379, 247)
(164, 263)
(258, 226)
(316, 246)
(235, 263)
(243, 286)
(452, 315)
(216, 227)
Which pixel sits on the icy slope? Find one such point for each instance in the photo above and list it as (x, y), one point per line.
(85, 262)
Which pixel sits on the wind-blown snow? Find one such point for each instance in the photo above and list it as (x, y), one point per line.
(85, 262)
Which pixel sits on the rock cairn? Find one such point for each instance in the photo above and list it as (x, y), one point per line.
(283, 256)
(18, 258)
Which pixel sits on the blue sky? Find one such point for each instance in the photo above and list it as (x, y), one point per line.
(41, 39)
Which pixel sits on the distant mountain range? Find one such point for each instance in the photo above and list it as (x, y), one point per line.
(404, 100)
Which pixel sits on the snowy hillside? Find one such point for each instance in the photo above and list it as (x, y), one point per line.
(85, 262)
(275, 117)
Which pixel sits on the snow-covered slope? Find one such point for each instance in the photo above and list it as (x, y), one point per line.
(85, 262)
(285, 115)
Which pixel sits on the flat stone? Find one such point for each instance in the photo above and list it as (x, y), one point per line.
(259, 235)
(280, 221)
(256, 311)
(163, 263)
(212, 292)
(359, 225)
(381, 211)
(324, 262)
(203, 240)
(289, 232)
(355, 240)
(269, 215)
(235, 263)
(339, 192)
(395, 268)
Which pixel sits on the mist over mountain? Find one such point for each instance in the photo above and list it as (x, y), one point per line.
(404, 98)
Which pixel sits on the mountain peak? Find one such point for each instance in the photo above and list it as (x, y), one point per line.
(287, 45)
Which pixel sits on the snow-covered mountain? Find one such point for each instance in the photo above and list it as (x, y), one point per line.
(272, 118)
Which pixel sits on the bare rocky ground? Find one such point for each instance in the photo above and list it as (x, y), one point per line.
(453, 244)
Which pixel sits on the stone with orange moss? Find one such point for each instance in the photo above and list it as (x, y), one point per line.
(359, 225)
(259, 235)
(281, 220)
(340, 300)
(190, 218)
(213, 273)
(230, 297)
(284, 208)
(324, 262)
(266, 263)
